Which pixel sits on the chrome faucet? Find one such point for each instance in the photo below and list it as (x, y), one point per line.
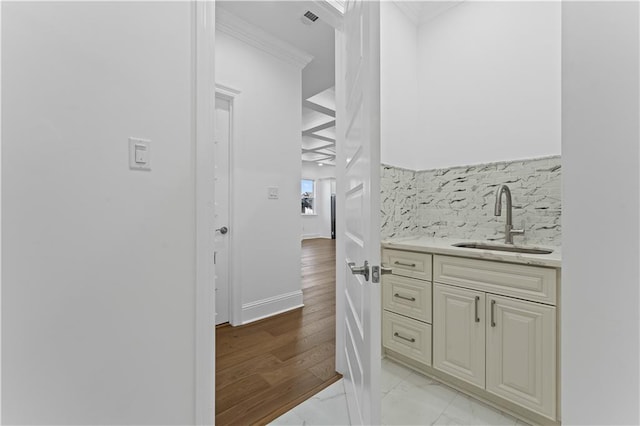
(509, 232)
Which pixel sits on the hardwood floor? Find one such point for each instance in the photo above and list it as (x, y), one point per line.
(265, 368)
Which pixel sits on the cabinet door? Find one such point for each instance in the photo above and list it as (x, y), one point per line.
(521, 353)
(459, 333)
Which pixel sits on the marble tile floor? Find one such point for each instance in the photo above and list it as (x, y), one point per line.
(408, 398)
(328, 407)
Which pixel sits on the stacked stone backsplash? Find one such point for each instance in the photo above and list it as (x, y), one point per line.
(398, 196)
(458, 202)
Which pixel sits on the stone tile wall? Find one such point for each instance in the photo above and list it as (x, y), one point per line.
(458, 202)
(398, 199)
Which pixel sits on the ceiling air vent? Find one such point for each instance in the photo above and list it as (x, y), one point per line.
(309, 17)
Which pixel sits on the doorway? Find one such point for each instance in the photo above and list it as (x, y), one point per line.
(281, 326)
(222, 205)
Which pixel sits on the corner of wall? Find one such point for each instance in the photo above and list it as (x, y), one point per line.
(397, 202)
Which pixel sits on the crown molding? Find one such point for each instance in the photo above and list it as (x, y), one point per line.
(227, 91)
(410, 9)
(242, 30)
(422, 12)
(430, 13)
(330, 11)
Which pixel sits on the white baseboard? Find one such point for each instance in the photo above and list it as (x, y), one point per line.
(311, 236)
(265, 308)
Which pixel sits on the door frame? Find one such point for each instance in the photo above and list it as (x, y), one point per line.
(230, 95)
(341, 357)
(203, 98)
(0, 215)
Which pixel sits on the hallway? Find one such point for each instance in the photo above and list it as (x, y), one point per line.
(265, 368)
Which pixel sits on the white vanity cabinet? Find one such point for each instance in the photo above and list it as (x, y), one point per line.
(491, 325)
(508, 347)
(407, 305)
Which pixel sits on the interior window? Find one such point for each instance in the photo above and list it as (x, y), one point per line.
(307, 188)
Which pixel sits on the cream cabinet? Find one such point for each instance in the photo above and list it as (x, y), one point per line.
(408, 263)
(487, 327)
(521, 353)
(406, 336)
(459, 333)
(407, 304)
(408, 297)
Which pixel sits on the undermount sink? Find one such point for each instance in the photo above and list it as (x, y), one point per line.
(504, 247)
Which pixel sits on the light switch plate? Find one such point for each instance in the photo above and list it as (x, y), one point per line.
(139, 154)
(272, 192)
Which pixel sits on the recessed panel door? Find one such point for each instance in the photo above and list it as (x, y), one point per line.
(222, 200)
(358, 203)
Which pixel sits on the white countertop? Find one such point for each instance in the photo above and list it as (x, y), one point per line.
(445, 246)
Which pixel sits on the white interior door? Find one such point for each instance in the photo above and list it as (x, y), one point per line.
(358, 201)
(222, 200)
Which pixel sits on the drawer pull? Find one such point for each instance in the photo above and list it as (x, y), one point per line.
(477, 300)
(412, 340)
(493, 322)
(399, 296)
(410, 265)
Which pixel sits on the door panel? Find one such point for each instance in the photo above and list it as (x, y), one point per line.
(222, 200)
(459, 333)
(358, 208)
(521, 353)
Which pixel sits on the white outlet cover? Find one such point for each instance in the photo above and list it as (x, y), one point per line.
(139, 154)
(272, 192)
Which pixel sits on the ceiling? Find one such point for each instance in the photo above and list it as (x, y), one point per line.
(319, 128)
(282, 19)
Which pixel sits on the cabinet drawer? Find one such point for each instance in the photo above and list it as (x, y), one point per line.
(406, 336)
(522, 281)
(408, 263)
(407, 296)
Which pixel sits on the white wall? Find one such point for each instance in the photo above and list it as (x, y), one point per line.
(600, 290)
(486, 83)
(399, 105)
(266, 152)
(98, 278)
(319, 225)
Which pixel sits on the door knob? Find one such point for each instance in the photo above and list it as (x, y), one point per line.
(223, 230)
(360, 270)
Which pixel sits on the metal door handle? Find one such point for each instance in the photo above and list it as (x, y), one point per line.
(399, 296)
(493, 322)
(477, 317)
(412, 340)
(223, 230)
(360, 270)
